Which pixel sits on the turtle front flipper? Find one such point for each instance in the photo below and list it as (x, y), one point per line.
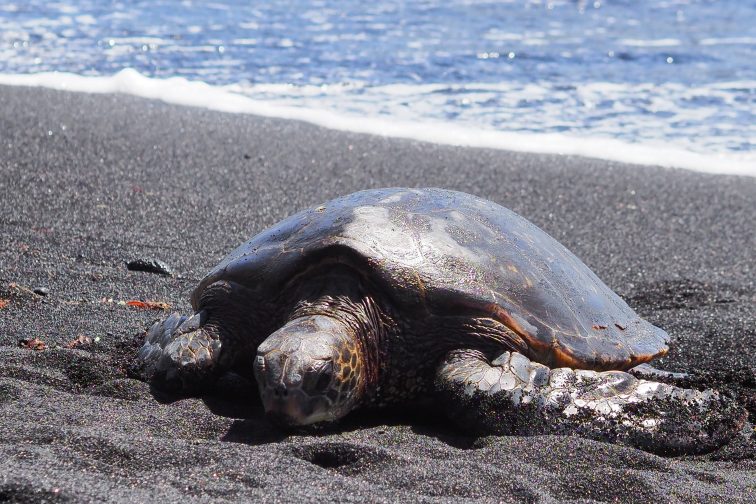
(179, 354)
(512, 395)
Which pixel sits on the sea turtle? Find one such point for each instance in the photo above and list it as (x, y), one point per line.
(402, 295)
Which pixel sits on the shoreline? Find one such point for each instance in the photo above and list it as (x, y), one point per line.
(181, 91)
(130, 178)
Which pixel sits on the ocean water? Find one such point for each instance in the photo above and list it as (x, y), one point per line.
(669, 82)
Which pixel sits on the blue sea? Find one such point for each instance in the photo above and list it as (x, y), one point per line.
(669, 82)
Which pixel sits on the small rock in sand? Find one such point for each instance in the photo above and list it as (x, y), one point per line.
(150, 266)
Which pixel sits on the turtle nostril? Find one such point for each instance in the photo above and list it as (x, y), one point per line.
(280, 391)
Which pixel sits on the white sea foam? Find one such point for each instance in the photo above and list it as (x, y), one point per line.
(650, 43)
(728, 41)
(181, 91)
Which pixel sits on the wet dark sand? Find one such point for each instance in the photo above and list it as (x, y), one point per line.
(128, 179)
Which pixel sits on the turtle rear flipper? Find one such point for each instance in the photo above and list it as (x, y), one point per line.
(179, 354)
(512, 395)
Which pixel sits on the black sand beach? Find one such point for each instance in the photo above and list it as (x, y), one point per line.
(89, 182)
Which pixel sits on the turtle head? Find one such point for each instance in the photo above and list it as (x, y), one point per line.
(310, 371)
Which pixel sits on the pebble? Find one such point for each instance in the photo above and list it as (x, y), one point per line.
(150, 266)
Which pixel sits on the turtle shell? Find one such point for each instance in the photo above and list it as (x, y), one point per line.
(439, 252)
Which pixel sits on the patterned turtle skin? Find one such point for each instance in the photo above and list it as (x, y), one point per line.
(420, 291)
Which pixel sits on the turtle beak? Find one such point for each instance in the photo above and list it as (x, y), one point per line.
(279, 408)
(289, 412)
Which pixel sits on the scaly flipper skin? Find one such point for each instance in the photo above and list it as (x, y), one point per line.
(179, 355)
(512, 395)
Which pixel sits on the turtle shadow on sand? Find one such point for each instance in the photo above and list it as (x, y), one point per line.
(254, 431)
(250, 425)
(260, 430)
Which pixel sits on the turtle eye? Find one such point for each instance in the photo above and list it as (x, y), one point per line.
(325, 376)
